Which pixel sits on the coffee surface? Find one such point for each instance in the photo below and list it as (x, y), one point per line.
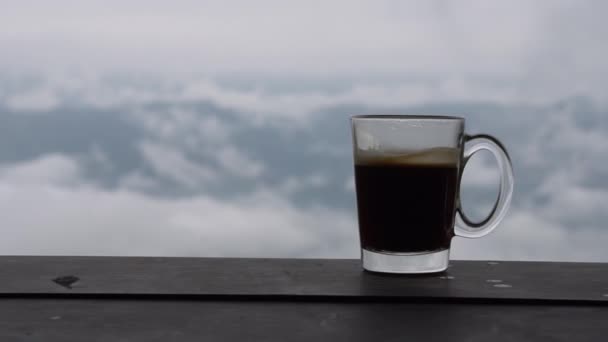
(406, 202)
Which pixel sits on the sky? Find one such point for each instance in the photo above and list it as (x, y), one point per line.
(208, 128)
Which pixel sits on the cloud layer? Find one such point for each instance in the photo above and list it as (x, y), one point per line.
(200, 176)
(216, 129)
(52, 211)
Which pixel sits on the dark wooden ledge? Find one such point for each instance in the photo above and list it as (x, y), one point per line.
(219, 299)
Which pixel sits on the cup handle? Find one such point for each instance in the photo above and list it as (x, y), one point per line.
(464, 226)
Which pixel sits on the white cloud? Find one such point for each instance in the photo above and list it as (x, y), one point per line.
(169, 162)
(292, 184)
(213, 129)
(33, 100)
(197, 132)
(506, 50)
(137, 181)
(237, 163)
(481, 172)
(570, 203)
(179, 136)
(55, 169)
(86, 220)
(525, 235)
(167, 125)
(76, 218)
(271, 36)
(264, 105)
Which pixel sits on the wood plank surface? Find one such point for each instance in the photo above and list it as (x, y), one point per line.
(66, 320)
(210, 277)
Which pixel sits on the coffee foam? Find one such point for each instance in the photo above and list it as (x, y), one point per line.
(438, 156)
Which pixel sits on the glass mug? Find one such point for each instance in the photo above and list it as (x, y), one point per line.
(407, 180)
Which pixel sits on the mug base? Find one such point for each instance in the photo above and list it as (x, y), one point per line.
(405, 263)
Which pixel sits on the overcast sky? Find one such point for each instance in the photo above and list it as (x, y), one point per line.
(205, 128)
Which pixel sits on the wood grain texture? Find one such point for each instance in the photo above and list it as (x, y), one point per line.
(157, 320)
(23, 276)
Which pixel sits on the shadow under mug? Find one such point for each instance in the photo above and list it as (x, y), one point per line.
(407, 179)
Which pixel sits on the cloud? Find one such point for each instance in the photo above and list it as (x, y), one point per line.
(82, 219)
(525, 235)
(556, 148)
(213, 129)
(33, 100)
(292, 184)
(86, 220)
(237, 163)
(202, 135)
(571, 203)
(174, 123)
(205, 78)
(561, 198)
(259, 102)
(137, 181)
(171, 163)
(230, 36)
(481, 172)
(53, 169)
(515, 49)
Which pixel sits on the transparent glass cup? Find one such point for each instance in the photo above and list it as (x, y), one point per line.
(407, 177)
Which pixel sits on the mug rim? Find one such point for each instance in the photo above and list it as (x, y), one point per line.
(405, 117)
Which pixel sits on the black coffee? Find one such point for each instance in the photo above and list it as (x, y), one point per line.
(406, 206)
